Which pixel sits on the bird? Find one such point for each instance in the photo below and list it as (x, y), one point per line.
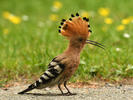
(77, 31)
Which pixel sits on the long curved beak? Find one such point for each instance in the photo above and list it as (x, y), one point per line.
(95, 43)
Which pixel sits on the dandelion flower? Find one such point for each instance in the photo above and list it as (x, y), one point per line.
(53, 17)
(57, 5)
(5, 31)
(104, 12)
(15, 19)
(126, 35)
(120, 28)
(84, 14)
(126, 21)
(108, 20)
(6, 15)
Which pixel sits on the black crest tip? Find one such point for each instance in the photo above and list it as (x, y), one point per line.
(61, 23)
(87, 19)
(77, 14)
(70, 19)
(72, 15)
(63, 20)
(59, 31)
(90, 31)
(84, 18)
(88, 25)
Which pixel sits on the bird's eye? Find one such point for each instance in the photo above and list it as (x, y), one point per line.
(80, 39)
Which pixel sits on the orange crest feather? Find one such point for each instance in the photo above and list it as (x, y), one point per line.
(75, 26)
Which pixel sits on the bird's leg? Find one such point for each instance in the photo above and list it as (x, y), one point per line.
(68, 92)
(66, 87)
(60, 88)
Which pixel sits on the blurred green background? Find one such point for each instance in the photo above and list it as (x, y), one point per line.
(29, 38)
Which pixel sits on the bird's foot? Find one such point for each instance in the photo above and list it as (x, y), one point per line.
(68, 94)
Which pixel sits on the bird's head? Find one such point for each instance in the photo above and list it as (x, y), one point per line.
(77, 30)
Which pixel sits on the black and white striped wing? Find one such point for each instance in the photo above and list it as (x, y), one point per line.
(54, 70)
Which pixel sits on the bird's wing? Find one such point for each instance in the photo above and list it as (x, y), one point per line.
(55, 68)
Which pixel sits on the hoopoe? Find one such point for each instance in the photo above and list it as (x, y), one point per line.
(62, 67)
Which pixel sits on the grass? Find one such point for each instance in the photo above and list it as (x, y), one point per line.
(28, 47)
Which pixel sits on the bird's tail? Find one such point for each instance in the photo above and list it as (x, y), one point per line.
(31, 87)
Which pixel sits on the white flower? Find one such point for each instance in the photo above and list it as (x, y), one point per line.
(126, 35)
(82, 62)
(25, 17)
(118, 49)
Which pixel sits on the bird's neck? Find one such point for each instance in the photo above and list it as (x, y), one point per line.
(73, 49)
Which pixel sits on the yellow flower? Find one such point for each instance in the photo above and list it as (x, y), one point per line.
(53, 17)
(84, 14)
(11, 17)
(15, 19)
(5, 31)
(57, 5)
(108, 20)
(126, 21)
(104, 11)
(6, 15)
(120, 28)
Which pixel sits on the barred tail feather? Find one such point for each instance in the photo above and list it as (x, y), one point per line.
(31, 87)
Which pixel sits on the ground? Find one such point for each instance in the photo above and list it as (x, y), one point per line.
(105, 92)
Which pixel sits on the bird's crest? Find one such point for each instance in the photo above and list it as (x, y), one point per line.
(75, 26)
